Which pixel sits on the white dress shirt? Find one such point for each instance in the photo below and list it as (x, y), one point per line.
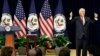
(83, 20)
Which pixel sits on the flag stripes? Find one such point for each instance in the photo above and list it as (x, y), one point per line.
(46, 26)
(22, 25)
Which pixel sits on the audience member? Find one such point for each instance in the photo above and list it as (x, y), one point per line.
(35, 52)
(7, 51)
(64, 52)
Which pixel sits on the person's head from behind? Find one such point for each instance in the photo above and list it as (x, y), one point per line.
(35, 52)
(64, 52)
(38, 51)
(7, 51)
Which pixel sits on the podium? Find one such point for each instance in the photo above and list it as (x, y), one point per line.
(9, 32)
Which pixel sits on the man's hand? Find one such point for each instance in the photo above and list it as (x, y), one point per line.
(71, 15)
(95, 16)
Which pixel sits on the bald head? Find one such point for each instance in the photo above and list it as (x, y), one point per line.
(82, 12)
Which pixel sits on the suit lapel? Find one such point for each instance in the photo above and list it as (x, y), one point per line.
(86, 20)
(80, 20)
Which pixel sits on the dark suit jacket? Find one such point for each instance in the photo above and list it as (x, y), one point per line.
(80, 28)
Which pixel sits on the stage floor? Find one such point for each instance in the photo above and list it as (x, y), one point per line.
(51, 52)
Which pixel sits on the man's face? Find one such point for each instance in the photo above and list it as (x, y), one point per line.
(82, 13)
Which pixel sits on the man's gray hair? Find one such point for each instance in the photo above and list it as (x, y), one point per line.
(81, 9)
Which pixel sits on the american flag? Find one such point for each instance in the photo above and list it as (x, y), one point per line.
(20, 19)
(46, 20)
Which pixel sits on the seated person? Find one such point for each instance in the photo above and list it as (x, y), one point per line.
(94, 49)
(7, 51)
(64, 52)
(35, 52)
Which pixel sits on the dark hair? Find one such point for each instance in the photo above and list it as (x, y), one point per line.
(38, 51)
(6, 51)
(64, 52)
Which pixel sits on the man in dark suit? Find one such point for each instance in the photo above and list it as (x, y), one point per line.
(81, 24)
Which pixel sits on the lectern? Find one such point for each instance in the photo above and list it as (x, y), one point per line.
(9, 32)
